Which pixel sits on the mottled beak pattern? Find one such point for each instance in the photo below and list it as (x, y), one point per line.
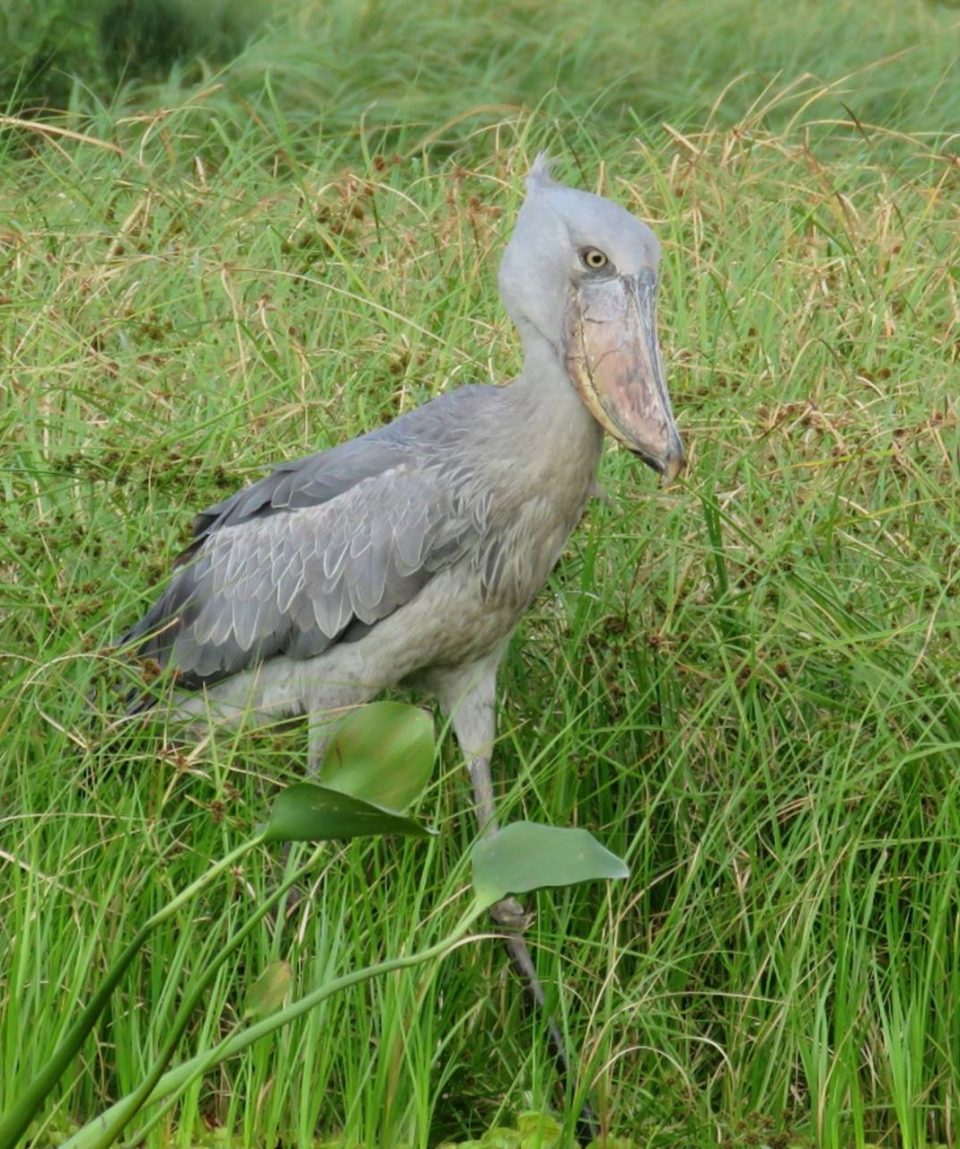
(613, 359)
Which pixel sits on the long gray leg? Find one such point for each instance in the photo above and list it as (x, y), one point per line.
(469, 698)
(473, 715)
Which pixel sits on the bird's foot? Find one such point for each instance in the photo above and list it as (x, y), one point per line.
(509, 913)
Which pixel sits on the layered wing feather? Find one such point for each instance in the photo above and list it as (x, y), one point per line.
(319, 550)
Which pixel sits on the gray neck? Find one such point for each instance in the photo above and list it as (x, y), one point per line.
(548, 411)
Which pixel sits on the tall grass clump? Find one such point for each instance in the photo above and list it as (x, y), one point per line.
(747, 684)
(403, 69)
(60, 55)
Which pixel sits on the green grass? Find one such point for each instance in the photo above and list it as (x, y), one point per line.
(748, 684)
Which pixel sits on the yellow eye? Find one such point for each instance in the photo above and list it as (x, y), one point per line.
(593, 258)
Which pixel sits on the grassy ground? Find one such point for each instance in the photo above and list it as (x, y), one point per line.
(748, 684)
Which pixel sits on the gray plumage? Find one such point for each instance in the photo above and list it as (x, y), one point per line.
(321, 549)
(409, 553)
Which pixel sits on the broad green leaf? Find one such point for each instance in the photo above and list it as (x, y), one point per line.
(382, 753)
(268, 991)
(540, 1130)
(305, 812)
(527, 856)
(500, 1138)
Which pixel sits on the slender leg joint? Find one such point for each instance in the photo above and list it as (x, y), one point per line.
(471, 703)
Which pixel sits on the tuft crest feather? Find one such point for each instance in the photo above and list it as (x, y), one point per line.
(540, 171)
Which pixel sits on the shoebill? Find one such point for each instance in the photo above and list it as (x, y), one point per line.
(408, 555)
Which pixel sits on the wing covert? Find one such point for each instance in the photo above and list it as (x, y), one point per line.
(293, 581)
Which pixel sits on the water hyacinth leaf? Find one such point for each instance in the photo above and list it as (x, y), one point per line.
(527, 856)
(500, 1138)
(306, 812)
(539, 1130)
(382, 753)
(269, 990)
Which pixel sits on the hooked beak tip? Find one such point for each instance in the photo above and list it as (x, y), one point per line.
(668, 465)
(672, 465)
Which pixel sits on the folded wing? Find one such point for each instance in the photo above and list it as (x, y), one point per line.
(293, 580)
